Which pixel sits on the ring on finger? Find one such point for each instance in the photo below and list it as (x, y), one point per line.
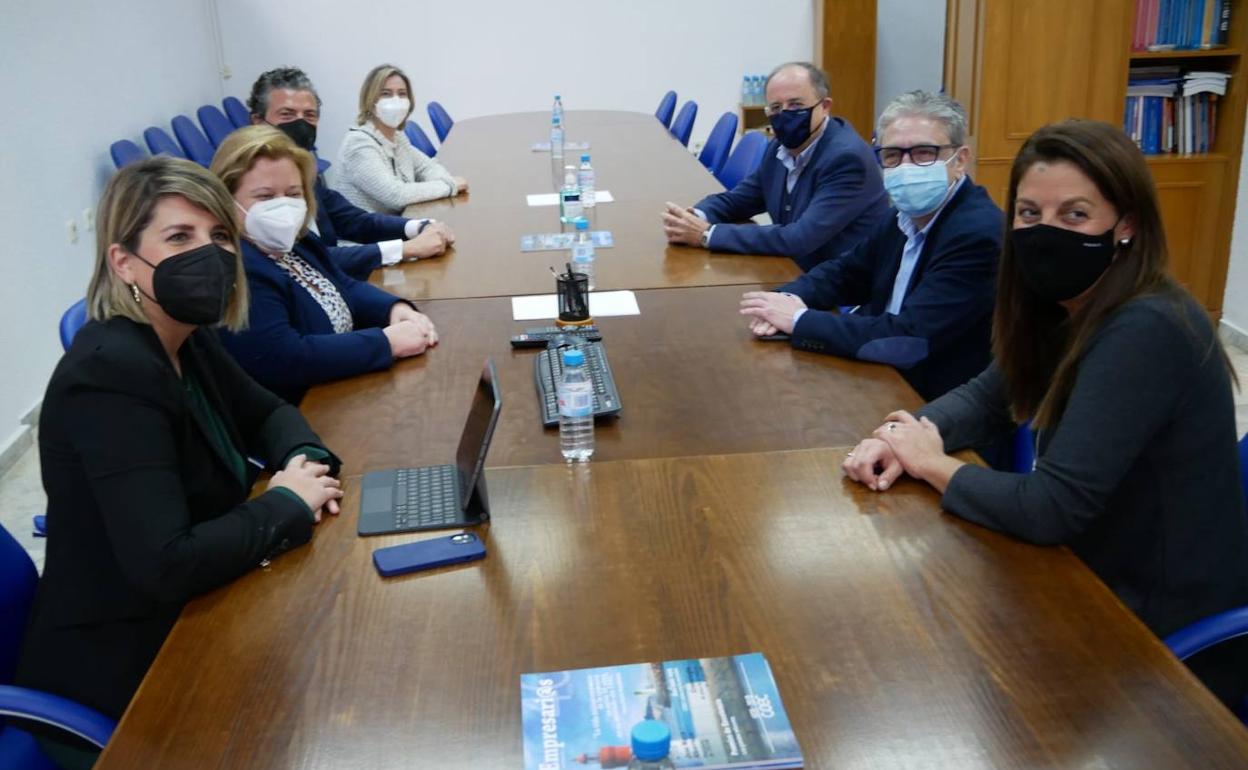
(892, 426)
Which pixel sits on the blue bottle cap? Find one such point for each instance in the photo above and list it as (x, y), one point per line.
(585, 158)
(652, 740)
(582, 223)
(574, 357)
(556, 96)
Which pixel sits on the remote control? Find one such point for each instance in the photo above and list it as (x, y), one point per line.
(537, 338)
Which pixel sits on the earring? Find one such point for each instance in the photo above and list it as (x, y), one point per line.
(1125, 242)
(134, 292)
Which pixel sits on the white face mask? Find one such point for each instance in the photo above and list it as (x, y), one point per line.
(273, 224)
(392, 110)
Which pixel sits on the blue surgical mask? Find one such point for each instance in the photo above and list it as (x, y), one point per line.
(917, 190)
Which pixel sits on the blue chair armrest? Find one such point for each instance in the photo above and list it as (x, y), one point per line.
(1207, 632)
(59, 712)
(40, 524)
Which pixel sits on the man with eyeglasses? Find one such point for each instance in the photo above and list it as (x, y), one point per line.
(817, 181)
(924, 281)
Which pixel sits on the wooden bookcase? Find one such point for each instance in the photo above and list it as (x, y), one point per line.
(1018, 64)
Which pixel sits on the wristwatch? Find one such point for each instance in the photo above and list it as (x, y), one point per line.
(705, 240)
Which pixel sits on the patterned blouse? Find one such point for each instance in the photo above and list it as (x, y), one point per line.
(321, 288)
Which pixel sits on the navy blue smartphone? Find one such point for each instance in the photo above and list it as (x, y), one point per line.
(427, 554)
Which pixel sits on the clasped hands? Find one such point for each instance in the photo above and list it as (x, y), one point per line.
(902, 444)
(682, 225)
(410, 331)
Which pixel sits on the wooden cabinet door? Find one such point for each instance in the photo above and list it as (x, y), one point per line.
(1189, 192)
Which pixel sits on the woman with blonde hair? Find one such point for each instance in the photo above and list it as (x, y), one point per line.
(143, 436)
(380, 169)
(309, 321)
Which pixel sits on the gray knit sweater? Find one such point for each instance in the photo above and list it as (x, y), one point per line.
(1140, 477)
(382, 176)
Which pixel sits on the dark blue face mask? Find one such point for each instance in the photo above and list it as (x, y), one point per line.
(792, 127)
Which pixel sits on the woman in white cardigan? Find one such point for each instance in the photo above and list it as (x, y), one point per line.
(381, 170)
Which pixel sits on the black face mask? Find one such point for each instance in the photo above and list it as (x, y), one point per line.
(792, 127)
(1061, 264)
(300, 131)
(194, 286)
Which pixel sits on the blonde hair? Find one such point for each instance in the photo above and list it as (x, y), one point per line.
(125, 211)
(240, 150)
(370, 92)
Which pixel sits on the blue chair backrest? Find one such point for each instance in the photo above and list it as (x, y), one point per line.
(216, 125)
(667, 106)
(72, 321)
(125, 152)
(682, 126)
(1023, 453)
(160, 143)
(236, 111)
(744, 159)
(419, 139)
(1243, 464)
(441, 120)
(194, 143)
(18, 579)
(715, 152)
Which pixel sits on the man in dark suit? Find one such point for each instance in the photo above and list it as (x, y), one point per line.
(924, 280)
(817, 181)
(284, 98)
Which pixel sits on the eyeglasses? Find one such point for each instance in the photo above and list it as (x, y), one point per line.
(920, 154)
(776, 108)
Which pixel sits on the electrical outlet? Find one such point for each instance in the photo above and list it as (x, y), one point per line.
(72, 230)
(226, 72)
(88, 219)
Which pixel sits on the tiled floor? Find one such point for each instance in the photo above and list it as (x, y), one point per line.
(21, 491)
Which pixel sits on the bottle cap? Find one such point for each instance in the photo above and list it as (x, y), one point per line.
(574, 357)
(585, 158)
(582, 223)
(652, 740)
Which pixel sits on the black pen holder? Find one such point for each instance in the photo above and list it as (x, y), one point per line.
(573, 292)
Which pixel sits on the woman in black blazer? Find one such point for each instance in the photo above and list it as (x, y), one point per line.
(145, 430)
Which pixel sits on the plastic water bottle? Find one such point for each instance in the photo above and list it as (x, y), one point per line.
(556, 111)
(576, 409)
(556, 137)
(759, 84)
(585, 180)
(569, 197)
(583, 251)
(747, 90)
(652, 740)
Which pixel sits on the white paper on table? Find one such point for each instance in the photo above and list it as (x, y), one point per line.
(601, 304)
(393, 276)
(552, 199)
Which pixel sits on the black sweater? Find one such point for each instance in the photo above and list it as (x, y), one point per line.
(1140, 476)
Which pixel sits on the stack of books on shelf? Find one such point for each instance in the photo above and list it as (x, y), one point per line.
(1170, 111)
(1172, 25)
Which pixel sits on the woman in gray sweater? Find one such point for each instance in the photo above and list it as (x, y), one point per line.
(1125, 382)
(380, 169)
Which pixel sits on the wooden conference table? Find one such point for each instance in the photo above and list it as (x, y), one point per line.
(713, 520)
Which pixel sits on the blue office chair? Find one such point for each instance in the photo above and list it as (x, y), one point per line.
(1224, 626)
(160, 143)
(39, 525)
(1023, 451)
(419, 139)
(125, 152)
(682, 126)
(667, 106)
(236, 111)
(71, 321)
(216, 125)
(715, 152)
(194, 143)
(18, 579)
(440, 119)
(744, 159)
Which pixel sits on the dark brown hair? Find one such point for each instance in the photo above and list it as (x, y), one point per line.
(1036, 345)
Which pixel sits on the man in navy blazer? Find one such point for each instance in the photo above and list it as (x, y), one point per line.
(924, 280)
(817, 181)
(284, 98)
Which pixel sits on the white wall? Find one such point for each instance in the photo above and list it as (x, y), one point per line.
(482, 58)
(1235, 301)
(77, 76)
(909, 48)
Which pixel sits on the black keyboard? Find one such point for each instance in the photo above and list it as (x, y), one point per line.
(426, 497)
(548, 370)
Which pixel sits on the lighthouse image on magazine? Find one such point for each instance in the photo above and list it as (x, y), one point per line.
(722, 712)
